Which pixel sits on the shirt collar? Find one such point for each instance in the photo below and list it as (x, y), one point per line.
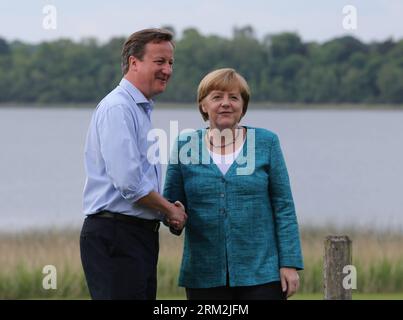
(137, 95)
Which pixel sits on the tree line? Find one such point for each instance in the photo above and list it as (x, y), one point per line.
(278, 67)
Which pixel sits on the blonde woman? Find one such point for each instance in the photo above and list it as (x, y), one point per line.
(241, 236)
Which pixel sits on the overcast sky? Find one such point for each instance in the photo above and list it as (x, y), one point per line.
(313, 20)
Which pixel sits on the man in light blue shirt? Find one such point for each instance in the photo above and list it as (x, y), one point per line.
(122, 201)
(118, 171)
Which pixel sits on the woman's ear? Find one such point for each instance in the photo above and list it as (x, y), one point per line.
(203, 107)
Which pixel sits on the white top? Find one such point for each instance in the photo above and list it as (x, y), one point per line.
(224, 162)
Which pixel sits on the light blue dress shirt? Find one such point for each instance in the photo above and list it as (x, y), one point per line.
(118, 172)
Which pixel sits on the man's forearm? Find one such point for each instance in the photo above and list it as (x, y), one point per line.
(155, 201)
(174, 214)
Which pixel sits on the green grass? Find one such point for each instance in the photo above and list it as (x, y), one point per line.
(26, 283)
(319, 296)
(356, 296)
(378, 259)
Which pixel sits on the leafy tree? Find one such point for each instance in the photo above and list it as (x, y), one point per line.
(279, 68)
(4, 48)
(390, 83)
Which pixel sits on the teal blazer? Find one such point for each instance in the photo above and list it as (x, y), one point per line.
(243, 222)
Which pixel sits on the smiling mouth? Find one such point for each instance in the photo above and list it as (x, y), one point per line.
(164, 80)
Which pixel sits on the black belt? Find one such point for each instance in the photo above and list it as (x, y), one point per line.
(152, 225)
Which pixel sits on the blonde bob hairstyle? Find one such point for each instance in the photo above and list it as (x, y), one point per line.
(226, 79)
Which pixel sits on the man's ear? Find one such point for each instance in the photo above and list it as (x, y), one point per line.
(133, 63)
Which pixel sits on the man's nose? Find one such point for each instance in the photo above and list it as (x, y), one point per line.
(167, 69)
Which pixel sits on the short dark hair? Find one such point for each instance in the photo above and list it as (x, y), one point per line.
(136, 43)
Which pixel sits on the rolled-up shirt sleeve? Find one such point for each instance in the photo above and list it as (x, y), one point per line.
(118, 144)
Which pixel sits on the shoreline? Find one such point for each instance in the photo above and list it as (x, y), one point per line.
(185, 105)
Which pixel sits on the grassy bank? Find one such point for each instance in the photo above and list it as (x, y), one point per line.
(378, 258)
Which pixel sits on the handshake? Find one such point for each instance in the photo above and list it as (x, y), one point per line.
(176, 218)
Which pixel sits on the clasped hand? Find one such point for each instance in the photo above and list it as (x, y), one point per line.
(177, 217)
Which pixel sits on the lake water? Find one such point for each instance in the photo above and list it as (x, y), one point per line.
(346, 167)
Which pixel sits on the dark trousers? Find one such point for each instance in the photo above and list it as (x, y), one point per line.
(267, 291)
(119, 259)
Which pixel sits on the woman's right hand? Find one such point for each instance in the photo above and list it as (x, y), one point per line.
(177, 217)
(289, 280)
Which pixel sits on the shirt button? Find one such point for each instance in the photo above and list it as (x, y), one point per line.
(222, 195)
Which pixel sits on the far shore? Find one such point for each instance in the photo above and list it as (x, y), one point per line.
(188, 105)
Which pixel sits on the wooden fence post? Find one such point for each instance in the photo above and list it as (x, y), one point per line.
(338, 254)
